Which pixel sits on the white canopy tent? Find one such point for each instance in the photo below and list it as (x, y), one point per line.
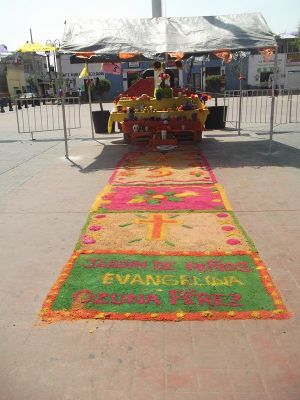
(152, 38)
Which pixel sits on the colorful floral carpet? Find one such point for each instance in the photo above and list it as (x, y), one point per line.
(162, 243)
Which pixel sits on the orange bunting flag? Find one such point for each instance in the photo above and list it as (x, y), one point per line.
(125, 56)
(266, 53)
(85, 54)
(178, 55)
(226, 56)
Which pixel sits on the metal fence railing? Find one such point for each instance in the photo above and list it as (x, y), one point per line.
(294, 106)
(45, 114)
(256, 106)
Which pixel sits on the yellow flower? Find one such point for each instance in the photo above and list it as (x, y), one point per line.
(207, 314)
(279, 311)
(231, 313)
(255, 314)
(100, 316)
(187, 194)
(180, 314)
(277, 302)
(136, 200)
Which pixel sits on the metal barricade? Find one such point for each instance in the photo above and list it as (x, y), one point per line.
(294, 106)
(255, 107)
(45, 114)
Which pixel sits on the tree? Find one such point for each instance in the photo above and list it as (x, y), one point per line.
(297, 41)
(32, 84)
(101, 86)
(214, 83)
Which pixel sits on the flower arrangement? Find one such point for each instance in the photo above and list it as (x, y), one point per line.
(187, 105)
(164, 79)
(144, 97)
(205, 97)
(163, 90)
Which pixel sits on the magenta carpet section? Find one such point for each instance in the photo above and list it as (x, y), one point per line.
(166, 198)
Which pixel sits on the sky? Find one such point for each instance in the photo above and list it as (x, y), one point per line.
(46, 19)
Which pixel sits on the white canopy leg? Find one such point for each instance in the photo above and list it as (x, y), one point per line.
(274, 86)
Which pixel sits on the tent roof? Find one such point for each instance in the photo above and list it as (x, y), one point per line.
(156, 36)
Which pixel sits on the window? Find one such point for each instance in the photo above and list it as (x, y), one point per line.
(212, 71)
(265, 79)
(196, 81)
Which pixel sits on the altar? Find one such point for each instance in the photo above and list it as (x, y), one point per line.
(159, 120)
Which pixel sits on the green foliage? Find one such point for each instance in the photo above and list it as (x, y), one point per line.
(158, 93)
(214, 83)
(102, 86)
(297, 41)
(32, 83)
(167, 92)
(153, 201)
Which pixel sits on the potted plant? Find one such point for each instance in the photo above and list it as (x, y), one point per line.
(100, 118)
(215, 84)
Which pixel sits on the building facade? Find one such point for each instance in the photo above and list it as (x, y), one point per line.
(20, 73)
(260, 71)
(125, 75)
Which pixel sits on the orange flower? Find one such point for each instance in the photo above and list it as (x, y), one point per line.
(125, 56)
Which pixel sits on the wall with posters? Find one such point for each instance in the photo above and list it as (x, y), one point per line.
(260, 71)
(71, 72)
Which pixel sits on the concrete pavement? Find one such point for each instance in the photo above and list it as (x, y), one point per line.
(44, 203)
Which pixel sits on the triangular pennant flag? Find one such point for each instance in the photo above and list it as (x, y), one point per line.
(85, 72)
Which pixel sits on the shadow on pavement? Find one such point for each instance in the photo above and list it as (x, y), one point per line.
(107, 159)
(208, 135)
(275, 133)
(219, 154)
(249, 153)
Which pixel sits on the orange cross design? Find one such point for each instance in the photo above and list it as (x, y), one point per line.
(156, 225)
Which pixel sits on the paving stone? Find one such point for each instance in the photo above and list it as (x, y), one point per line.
(44, 201)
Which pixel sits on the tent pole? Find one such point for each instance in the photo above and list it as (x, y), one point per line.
(63, 110)
(241, 97)
(91, 113)
(64, 125)
(156, 9)
(274, 86)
